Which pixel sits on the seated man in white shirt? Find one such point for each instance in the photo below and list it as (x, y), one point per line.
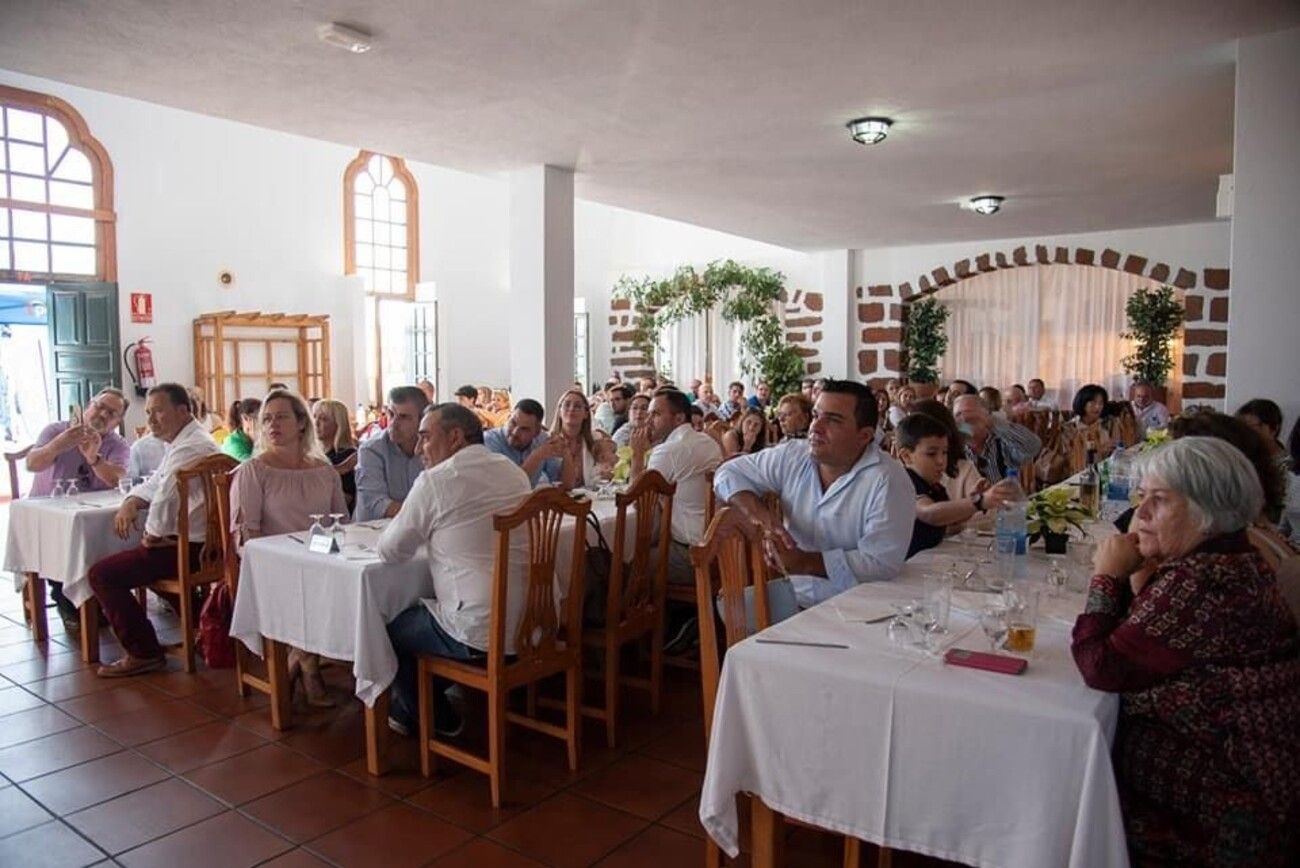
(1036, 390)
(450, 509)
(167, 411)
(1151, 414)
(146, 456)
(683, 456)
(848, 507)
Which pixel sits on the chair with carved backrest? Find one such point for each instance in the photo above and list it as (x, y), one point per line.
(634, 603)
(211, 564)
(12, 459)
(545, 644)
(729, 560)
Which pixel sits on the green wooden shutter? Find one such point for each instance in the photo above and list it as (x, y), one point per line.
(85, 355)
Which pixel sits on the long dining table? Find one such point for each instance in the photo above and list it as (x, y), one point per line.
(60, 539)
(339, 605)
(885, 742)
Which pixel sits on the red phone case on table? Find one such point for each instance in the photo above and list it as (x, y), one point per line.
(982, 660)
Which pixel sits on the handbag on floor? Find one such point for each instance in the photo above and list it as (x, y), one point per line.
(215, 644)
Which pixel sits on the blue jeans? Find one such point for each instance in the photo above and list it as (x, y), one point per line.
(415, 632)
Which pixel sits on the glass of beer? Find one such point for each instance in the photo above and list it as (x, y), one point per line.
(1021, 600)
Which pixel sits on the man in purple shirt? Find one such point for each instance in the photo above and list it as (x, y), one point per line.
(87, 450)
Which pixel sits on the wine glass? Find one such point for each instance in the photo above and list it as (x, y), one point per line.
(315, 524)
(900, 630)
(1057, 576)
(73, 490)
(59, 489)
(124, 486)
(337, 529)
(993, 620)
(926, 617)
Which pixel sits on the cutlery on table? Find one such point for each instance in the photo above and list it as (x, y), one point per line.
(797, 642)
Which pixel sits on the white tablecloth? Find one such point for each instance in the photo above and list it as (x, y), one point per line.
(61, 538)
(891, 746)
(339, 605)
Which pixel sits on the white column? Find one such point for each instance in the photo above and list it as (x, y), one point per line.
(839, 314)
(1264, 304)
(541, 283)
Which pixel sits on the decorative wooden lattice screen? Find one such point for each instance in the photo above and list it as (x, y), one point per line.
(238, 355)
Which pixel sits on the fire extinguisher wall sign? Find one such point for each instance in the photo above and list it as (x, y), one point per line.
(137, 358)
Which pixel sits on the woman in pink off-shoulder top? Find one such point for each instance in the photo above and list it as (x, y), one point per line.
(287, 481)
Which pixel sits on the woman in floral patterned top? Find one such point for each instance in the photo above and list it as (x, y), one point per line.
(1185, 620)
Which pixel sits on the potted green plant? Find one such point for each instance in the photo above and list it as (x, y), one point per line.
(1154, 317)
(1051, 514)
(925, 341)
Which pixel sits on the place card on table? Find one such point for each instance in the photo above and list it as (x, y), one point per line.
(322, 544)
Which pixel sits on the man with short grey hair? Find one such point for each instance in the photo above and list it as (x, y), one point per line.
(387, 465)
(993, 445)
(450, 510)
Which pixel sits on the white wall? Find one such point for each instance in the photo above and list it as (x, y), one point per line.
(196, 194)
(611, 242)
(1264, 313)
(1194, 246)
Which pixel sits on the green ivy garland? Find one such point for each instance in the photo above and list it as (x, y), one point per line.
(744, 295)
(925, 339)
(1154, 317)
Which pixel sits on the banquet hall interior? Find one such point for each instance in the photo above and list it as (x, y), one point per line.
(601, 207)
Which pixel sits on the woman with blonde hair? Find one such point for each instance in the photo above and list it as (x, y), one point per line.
(334, 432)
(278, 490)
(572, 422)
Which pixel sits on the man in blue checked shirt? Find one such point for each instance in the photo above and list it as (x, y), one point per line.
(848, 506)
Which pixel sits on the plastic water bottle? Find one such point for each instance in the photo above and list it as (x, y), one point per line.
(1011, 544)
(1118, 484)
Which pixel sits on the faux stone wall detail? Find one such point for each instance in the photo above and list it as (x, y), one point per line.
(882, 311)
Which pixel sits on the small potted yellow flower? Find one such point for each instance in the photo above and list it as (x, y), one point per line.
(1051, 514)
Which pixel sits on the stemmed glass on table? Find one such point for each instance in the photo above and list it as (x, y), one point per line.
(336, 528)
(993, 620)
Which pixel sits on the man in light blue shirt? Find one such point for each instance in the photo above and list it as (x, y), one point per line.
(523, 441)
(848, 507)
(387, 465)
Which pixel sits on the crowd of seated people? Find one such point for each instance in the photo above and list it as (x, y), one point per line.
(1185, 617)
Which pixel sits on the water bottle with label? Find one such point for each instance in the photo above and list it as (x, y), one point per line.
(1117, 484)
(1011, 543)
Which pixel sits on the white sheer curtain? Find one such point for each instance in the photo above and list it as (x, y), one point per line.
(703, 344)
(1060, 323)
(682, 349)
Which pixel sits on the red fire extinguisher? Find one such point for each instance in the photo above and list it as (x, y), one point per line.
(143, 375)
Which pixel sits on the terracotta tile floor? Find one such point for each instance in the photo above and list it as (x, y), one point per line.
(173, 769)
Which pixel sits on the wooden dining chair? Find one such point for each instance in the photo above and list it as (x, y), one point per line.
(545, 644)
(634, 602)
(12, 459)
(211, 564)
(728, 561)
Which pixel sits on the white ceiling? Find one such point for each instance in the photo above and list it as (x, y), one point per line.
(726, 113)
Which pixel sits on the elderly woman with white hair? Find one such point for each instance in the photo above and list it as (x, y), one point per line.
(1185, 620)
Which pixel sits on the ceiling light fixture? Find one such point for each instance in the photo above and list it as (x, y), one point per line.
(342, 36)
(986, 204)
(869, 131)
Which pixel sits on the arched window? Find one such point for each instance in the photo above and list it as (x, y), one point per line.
(381, 225)
(56, 193)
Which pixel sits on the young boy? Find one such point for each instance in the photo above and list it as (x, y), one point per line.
(921, 443)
